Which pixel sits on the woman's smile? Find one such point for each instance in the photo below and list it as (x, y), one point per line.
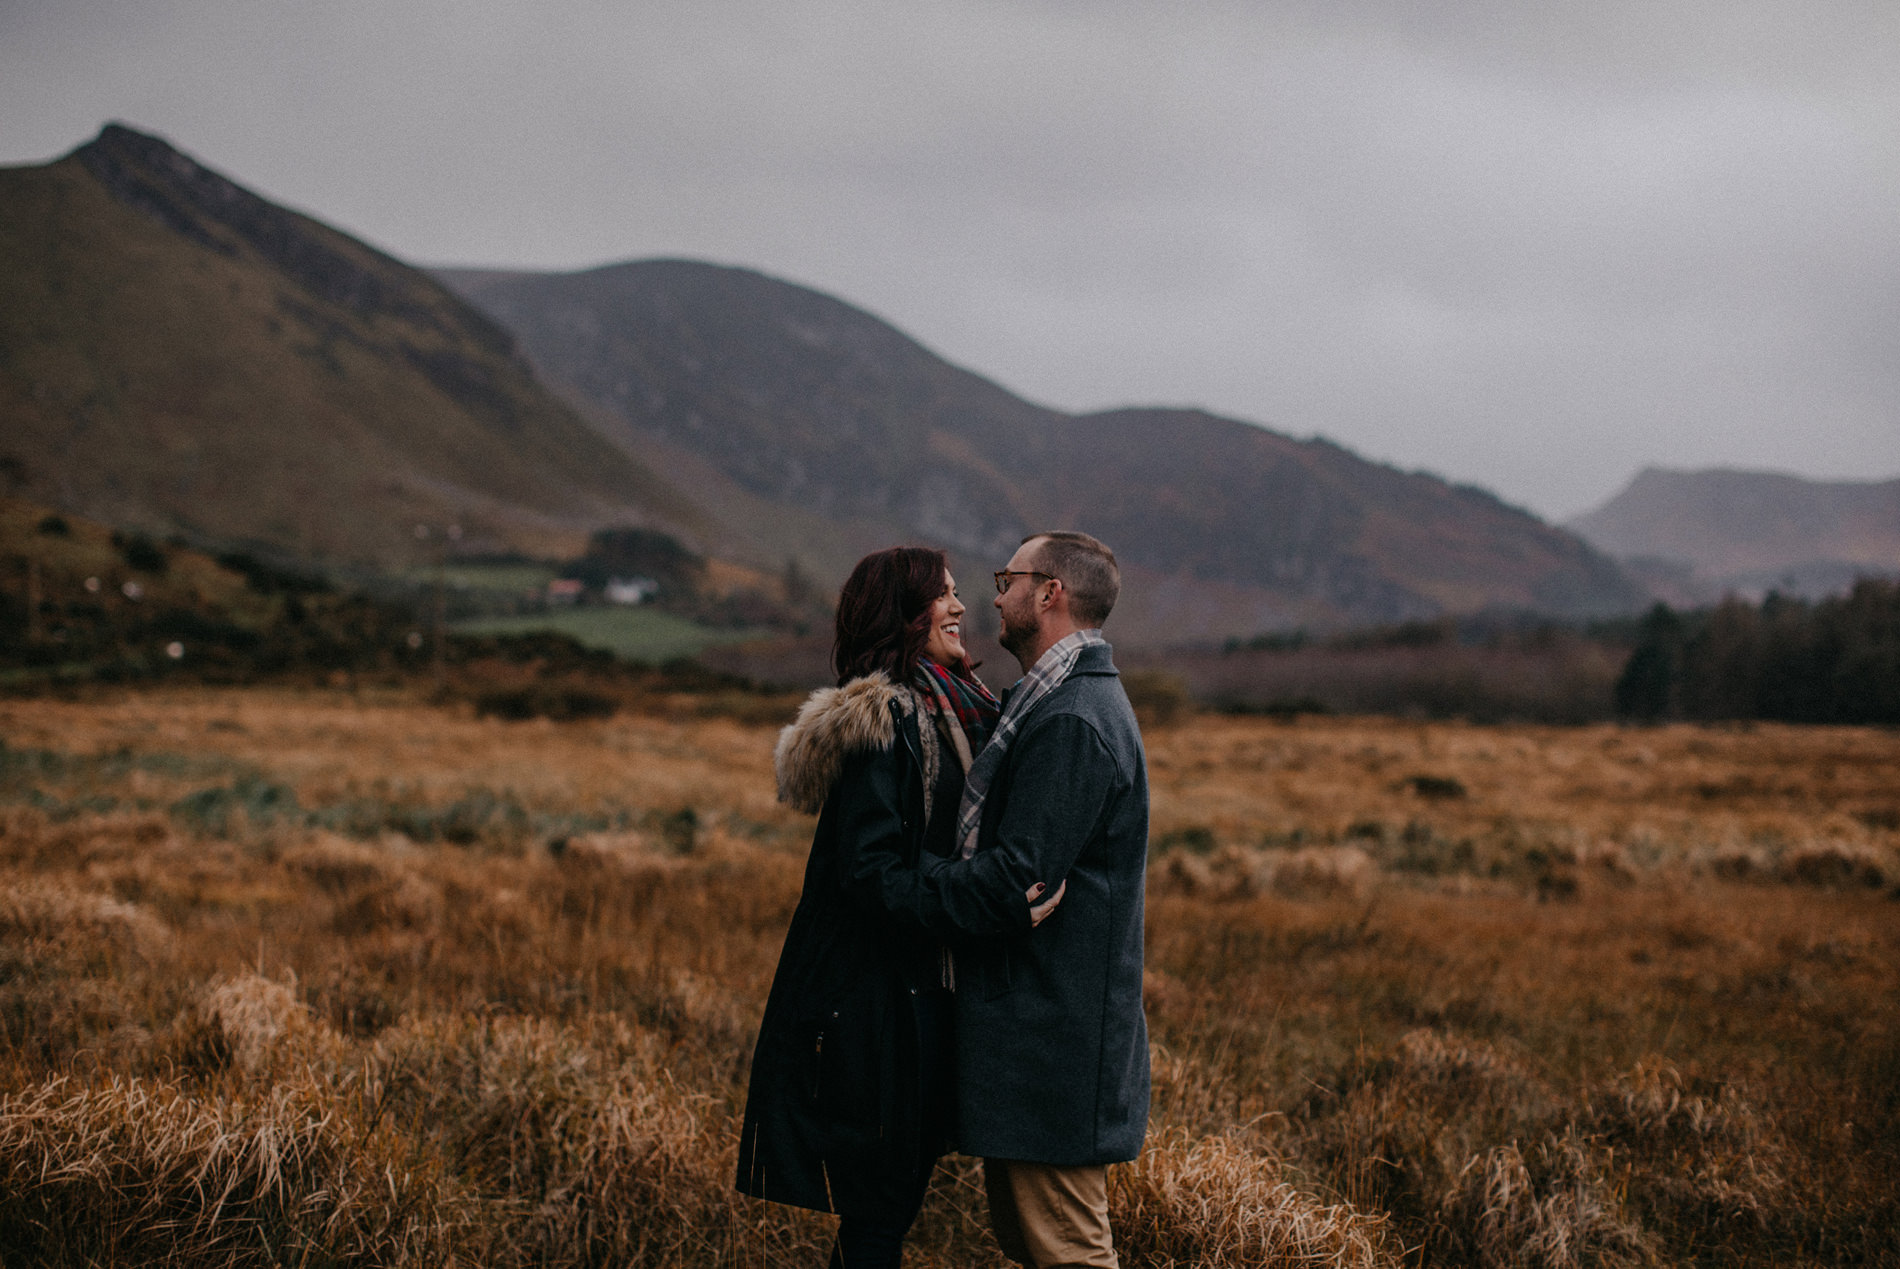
(945, 646)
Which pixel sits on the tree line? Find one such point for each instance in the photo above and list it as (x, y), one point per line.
(1833, 661)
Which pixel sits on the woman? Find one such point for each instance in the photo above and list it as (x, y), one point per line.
(852, 1090)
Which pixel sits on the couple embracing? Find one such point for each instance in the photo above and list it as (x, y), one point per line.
(963, 970)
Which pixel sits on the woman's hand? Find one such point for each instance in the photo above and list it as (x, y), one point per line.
(1039, 911)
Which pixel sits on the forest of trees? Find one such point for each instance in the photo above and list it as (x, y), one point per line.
(1835, 661)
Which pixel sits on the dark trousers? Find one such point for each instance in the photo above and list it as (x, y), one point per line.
(868, 1244)
(871, 1243)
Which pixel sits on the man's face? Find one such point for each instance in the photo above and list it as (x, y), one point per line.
(1017, 605)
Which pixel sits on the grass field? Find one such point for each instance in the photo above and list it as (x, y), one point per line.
(484, 578)
(634, 633)
(318, 978)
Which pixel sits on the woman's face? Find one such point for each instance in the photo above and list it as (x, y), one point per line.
(945, 645)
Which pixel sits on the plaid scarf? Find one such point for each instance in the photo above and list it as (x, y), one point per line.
(964, 699)
(1048, 673)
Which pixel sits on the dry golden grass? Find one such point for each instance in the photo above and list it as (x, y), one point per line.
(1223, 1200)
(1603, 793)
(316, 978)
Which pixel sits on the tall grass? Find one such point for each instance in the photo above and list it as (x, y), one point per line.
(1545, 1019)
(136, 1171)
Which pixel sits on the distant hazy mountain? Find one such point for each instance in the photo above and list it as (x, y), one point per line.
(180, 355)
(1697, 534)
(813, 428)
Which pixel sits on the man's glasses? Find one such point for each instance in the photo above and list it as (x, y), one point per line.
(1003, 575)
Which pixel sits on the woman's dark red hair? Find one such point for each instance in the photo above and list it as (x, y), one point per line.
(884, 613)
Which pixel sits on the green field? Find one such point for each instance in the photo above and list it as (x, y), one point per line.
(635, 634)
(508, 579)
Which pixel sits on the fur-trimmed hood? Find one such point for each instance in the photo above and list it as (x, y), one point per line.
(833, 723)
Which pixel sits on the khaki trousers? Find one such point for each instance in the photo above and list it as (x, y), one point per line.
(1045, 1216)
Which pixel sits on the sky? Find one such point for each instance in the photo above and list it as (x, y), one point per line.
(1530, 246)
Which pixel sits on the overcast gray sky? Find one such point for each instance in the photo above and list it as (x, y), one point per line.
(1533, 246)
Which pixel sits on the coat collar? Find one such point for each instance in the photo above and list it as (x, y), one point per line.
(833, 723)
(1097, 660)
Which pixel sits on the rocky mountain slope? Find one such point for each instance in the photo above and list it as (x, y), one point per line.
(182, 356)
(813, 427)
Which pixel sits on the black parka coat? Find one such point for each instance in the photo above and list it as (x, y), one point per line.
(835, 1114)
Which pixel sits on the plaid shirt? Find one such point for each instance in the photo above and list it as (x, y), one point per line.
(1048, 673)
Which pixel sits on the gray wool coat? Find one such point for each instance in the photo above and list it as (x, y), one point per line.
(1052, 1045)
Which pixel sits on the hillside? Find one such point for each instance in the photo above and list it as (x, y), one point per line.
(814, 428)
(82, 601)
(181, 356)
(1753, 531)
(810, 426)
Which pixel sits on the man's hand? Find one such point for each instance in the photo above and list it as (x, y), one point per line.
(1038, 911)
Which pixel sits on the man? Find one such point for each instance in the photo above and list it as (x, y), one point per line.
(1052, 1047)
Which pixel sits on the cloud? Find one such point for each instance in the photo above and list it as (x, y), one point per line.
(1531, 246)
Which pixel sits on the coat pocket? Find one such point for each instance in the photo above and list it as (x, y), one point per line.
(842, 1073)
(813, 1066)
(998, 977)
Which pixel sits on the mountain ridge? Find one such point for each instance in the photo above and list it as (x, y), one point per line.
(820, 407)
(186, 357)
(1729, 529)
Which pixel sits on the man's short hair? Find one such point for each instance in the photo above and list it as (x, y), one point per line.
(1087, 570)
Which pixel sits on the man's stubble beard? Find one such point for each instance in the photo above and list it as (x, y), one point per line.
(1014, 638)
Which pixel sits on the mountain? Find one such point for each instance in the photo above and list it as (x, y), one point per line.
(1699, 534)
(179, 355)
(811, 428)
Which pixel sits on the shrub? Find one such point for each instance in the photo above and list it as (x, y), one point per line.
(65, 955)
(140, 553)
(1558, 1209)
(1697, 1162)
(141, 1172)
(1838, 864)
(558, 704)
(1214, 1201)
(252, 1016)
(222, 811)
(1434, 788)
(1196, 839)
(604, 1161)
(1159, 698)
(680, 830)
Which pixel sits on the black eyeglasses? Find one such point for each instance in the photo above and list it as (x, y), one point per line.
(1003, 575)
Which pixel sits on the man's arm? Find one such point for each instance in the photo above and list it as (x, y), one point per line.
(868, 808)
(1063, 776)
